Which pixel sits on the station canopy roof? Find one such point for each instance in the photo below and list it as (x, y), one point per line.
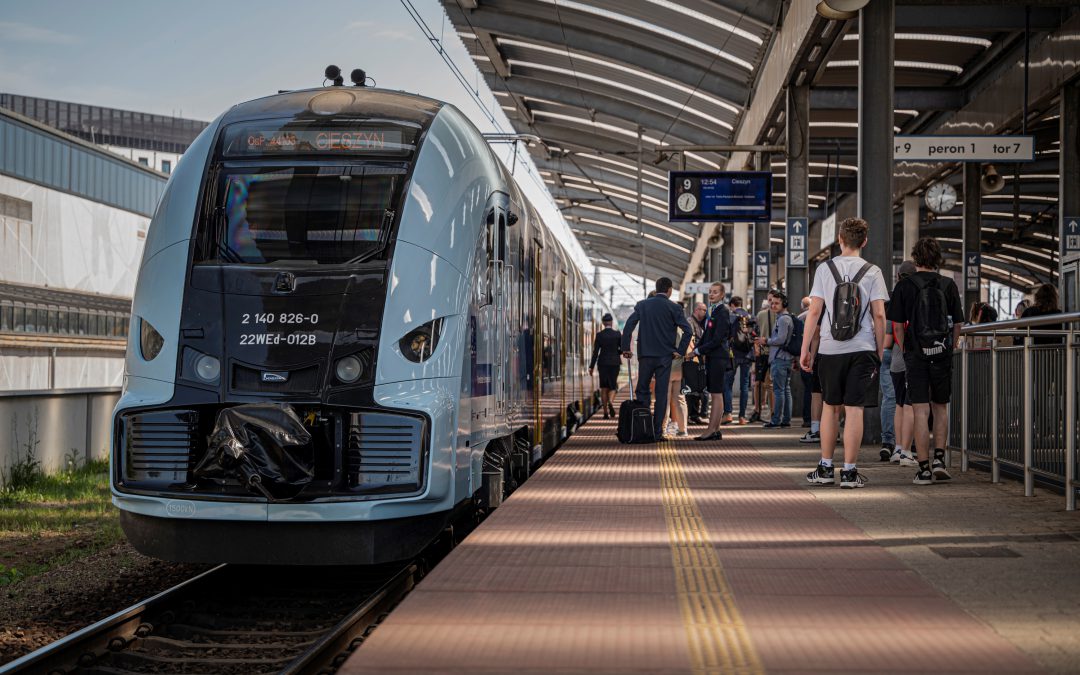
(584, 75)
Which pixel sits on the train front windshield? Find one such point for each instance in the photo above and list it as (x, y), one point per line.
(304, 195)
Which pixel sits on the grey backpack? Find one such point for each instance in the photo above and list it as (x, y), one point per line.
(847, 311)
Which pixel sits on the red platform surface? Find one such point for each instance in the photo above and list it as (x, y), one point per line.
(681, 557)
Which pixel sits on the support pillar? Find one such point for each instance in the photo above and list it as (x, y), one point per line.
(877, 23)
(740, 265)
(727, 253)
(798, 180)
(762, 239)
(972, 234)
(911, 224)
(714, 262)
(1068, 185)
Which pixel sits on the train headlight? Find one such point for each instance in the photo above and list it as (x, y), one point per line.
(150, 341)
(419, 343)
(207, 368)
(349, 369)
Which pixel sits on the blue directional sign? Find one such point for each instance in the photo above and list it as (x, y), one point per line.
(797, 229)
(972, 265)
(1072, 234)
(761, 270)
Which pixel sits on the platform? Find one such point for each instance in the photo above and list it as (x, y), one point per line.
(689, 557)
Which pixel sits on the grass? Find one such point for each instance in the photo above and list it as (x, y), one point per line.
(49, 520)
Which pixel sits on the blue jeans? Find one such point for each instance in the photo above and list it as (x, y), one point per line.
(781, 386)
(888, 401)
(744, 387)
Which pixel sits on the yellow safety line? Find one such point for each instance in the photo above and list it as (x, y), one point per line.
(716, 634)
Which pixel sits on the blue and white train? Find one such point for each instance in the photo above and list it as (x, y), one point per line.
(349, 327)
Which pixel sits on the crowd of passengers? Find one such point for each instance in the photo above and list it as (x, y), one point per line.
(854, 344)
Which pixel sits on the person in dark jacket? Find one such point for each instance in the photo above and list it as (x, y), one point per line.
(659, 318)
(605, 354)
(716, 348)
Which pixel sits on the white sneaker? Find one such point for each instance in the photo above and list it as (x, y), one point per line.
(906, 459)
(897, 454)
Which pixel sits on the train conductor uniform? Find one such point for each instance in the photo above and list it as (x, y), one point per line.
(659, 318)
(715, 347)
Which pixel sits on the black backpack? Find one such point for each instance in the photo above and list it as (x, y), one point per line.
(847, 306)
(930, 319)
(741, 332)
(794, 344)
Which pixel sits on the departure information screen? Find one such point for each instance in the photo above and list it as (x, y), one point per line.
(725, 196)
(247, 140)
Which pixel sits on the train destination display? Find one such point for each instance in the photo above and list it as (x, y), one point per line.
(739, 196)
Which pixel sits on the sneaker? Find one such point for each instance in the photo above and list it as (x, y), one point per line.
(726, 419)
(938, 469)
(894, 457)
(770, 425)
(785, 425)
(755, 417)
(886, 453)
(682, 434)
(743, 421)
(907, 459)
(923, 477)
(822, 475)
(810, 437)
(852, 479)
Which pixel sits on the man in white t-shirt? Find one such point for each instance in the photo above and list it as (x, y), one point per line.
(851, 292)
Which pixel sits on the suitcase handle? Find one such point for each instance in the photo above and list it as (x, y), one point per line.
(630, 372)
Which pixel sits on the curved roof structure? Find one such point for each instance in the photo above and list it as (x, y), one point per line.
(586, 75)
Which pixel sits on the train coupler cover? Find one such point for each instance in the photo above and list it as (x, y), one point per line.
(263, 445)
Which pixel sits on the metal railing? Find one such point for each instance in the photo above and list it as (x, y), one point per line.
(1018, 405)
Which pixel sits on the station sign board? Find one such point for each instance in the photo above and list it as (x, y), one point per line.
(972, 268)
(797, 230)
(719, 196)
(1071, 234)
(964, 148)
(691, 288)
(761, 270)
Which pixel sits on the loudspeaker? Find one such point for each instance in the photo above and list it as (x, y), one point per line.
(991, 180)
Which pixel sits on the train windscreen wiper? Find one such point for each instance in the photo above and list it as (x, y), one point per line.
(384, 236)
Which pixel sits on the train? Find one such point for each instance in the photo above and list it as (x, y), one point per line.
(350, 327)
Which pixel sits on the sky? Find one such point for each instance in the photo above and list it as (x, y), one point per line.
(197, 58)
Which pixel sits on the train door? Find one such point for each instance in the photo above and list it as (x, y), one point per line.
(538, 345)
(563, 347)
(496, 312)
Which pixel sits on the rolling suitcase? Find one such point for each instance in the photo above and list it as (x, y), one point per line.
(635, 418)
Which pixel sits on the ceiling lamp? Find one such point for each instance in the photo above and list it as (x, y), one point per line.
(841, 9)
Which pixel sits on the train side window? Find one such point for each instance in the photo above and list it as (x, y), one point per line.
(53, 320)
(18, 322)
(84, 323)
(6, 311)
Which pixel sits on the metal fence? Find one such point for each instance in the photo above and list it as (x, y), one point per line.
(1017, 403)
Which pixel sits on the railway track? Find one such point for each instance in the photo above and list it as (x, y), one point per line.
(235, 620)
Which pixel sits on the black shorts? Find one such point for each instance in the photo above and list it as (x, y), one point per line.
(815, 379)
(609, 376)
(850, 379)
(715, 374)
(928, 381)
(899, 385)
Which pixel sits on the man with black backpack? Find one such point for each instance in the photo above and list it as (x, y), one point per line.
(742, 359)
(784, 344)
(929, 304)
(851, 292)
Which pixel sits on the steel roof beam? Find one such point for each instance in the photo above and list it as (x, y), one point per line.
(905, 98)
(619, 45)
(960, 15)
(633, 113)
